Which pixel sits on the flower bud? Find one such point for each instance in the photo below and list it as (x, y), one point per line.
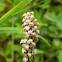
(25, 24)
(23, 20)
(23, 50)
(32, 13)
(33, 33)
(35, 20)
(26, 28)
(37, 32)
(26, 47)
(32, 17)
(24, 14)
(26, 17)
(30, 41)
(31, 24)
(34, 52)
(35, 27)
(21, 41)
(30, 32)
(28, 14)
(29, 54)
(28, 21)
(25, 40)
(37, 24)
(26, 34)
(25, 59)
(33, 44)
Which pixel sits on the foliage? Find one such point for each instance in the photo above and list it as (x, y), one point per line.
(49, 15)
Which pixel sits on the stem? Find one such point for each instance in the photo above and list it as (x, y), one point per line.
(29, 59)
(33, 58)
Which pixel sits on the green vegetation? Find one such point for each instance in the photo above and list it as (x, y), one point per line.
(49, 15)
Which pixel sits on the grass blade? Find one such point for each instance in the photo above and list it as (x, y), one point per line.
(10, 30)
(17, 8)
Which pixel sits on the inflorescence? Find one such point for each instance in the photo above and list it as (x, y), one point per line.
(30, 35)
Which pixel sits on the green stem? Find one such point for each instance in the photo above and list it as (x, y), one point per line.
(33, 58)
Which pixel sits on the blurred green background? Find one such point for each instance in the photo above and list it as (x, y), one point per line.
(49, 15)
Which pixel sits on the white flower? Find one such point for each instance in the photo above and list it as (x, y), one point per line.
(35, 20)
(37, 24)
(26, 28)
(37, 31)
(30, 41)
(26, 47)
(33, 33)
(28, 14)
(33, 44)
(25, 59)
(23, 50)
(29, 54)
(32, 13)
(21, 41)
(25, 40)
(32, 17)
(23, 20)
(35, 27)
(26, 34)
(24, 14)
(28, 21)
(25, 24)
(36, 36)
(31, 24)
(26, 17)
(34, 52)
(30, 32)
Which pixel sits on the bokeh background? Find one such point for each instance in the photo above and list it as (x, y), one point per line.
(49, 15)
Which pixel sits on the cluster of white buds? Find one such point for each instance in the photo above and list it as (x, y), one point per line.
(30, 35)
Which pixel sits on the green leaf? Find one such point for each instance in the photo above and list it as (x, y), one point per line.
(17, 8)
(51, 17)
(45, 41)
(10, 30)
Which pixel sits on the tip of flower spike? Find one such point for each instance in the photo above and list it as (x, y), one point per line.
(32, 13)
(28, 14)
(24, 15)
(32, 17)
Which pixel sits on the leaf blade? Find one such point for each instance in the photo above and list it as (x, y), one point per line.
(10, 30)
(17, 8)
